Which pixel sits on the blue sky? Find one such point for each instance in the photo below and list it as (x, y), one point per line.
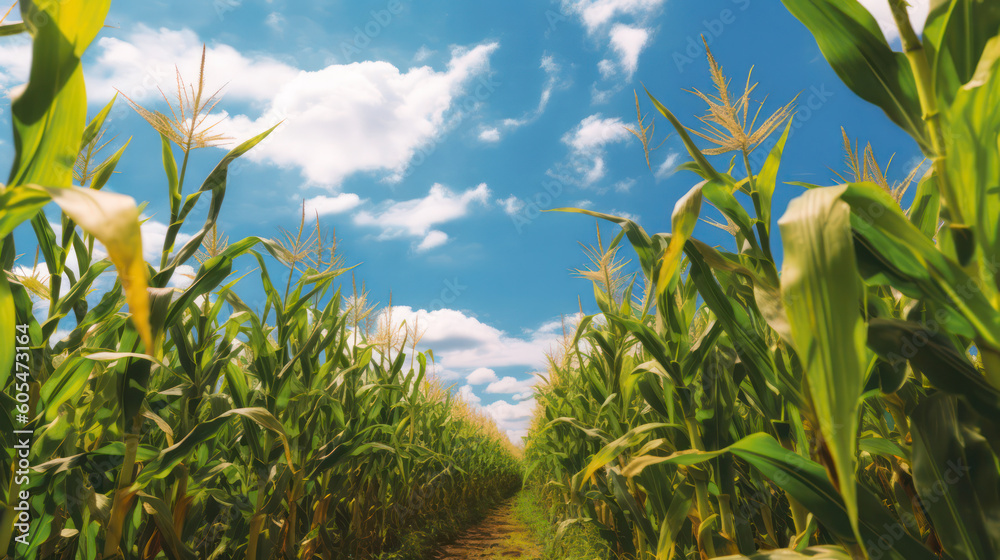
(431, 134)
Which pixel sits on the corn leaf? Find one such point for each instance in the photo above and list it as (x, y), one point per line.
(850, 39)
(822, 295)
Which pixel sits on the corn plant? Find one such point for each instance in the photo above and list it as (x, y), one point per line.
(842, 403)
(182, 422)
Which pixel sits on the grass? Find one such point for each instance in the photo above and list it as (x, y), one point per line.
(578, 542)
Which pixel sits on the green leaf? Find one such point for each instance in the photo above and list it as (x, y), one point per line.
(808, 483)
(49, 116)
(637, 236)
(95, 125)
(955, 474)
(811, 553)
(172, 456)
(8, 330)
(767, 179)
(163, 518)
(66, 383)
(214, 183)
(850, 39)
(611, 451)
(931, 353)
(955, 34)
(821, 288)
(912, 261)
(684, 218)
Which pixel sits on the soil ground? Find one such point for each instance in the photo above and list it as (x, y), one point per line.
(500, 536)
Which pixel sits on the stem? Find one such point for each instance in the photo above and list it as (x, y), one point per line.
(175, 210)
(701, 484)
(799, 513)
(120, 505)
(257, 521)
(762, 226)
(917, 57)
(7, 521)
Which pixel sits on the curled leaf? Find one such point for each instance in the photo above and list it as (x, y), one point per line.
(113, 219)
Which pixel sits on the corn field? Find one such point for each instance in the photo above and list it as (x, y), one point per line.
(836, 397)
(182, 423)
(840, 404)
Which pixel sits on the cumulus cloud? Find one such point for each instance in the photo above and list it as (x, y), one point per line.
(434, 238)
(490, 135)
(512, 418)
(326, 205)
(587, 143)
(521, 388)
(339, 120)
(417, 217)
(183, 277)
(625, 25)
(596, 14)
(464, 343)
(467, 395)
(628, 42)
(481, 376)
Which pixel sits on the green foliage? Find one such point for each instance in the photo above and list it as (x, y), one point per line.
(181, 422)
(844, 407)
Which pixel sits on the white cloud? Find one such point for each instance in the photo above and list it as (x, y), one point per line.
(481, 376)
(276, 22)
(423, 53)
(512, 418)
(553, 81)
(510, 385)
(434, 238)
(600, 96)
(595, 132)
(490, 135)
(417, 217)
(465, 392)
(149, 59)
(669, 166)
(342, 119)
(918, 11)
(511, 205)
(325, 205)
(464, 343)
(15, 61)
(587, 144)
(625, 185)
(596, 14)
(628, 42)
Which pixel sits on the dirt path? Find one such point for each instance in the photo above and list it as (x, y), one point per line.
(499, 536)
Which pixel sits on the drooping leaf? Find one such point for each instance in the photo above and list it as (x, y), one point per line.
(822, 294)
